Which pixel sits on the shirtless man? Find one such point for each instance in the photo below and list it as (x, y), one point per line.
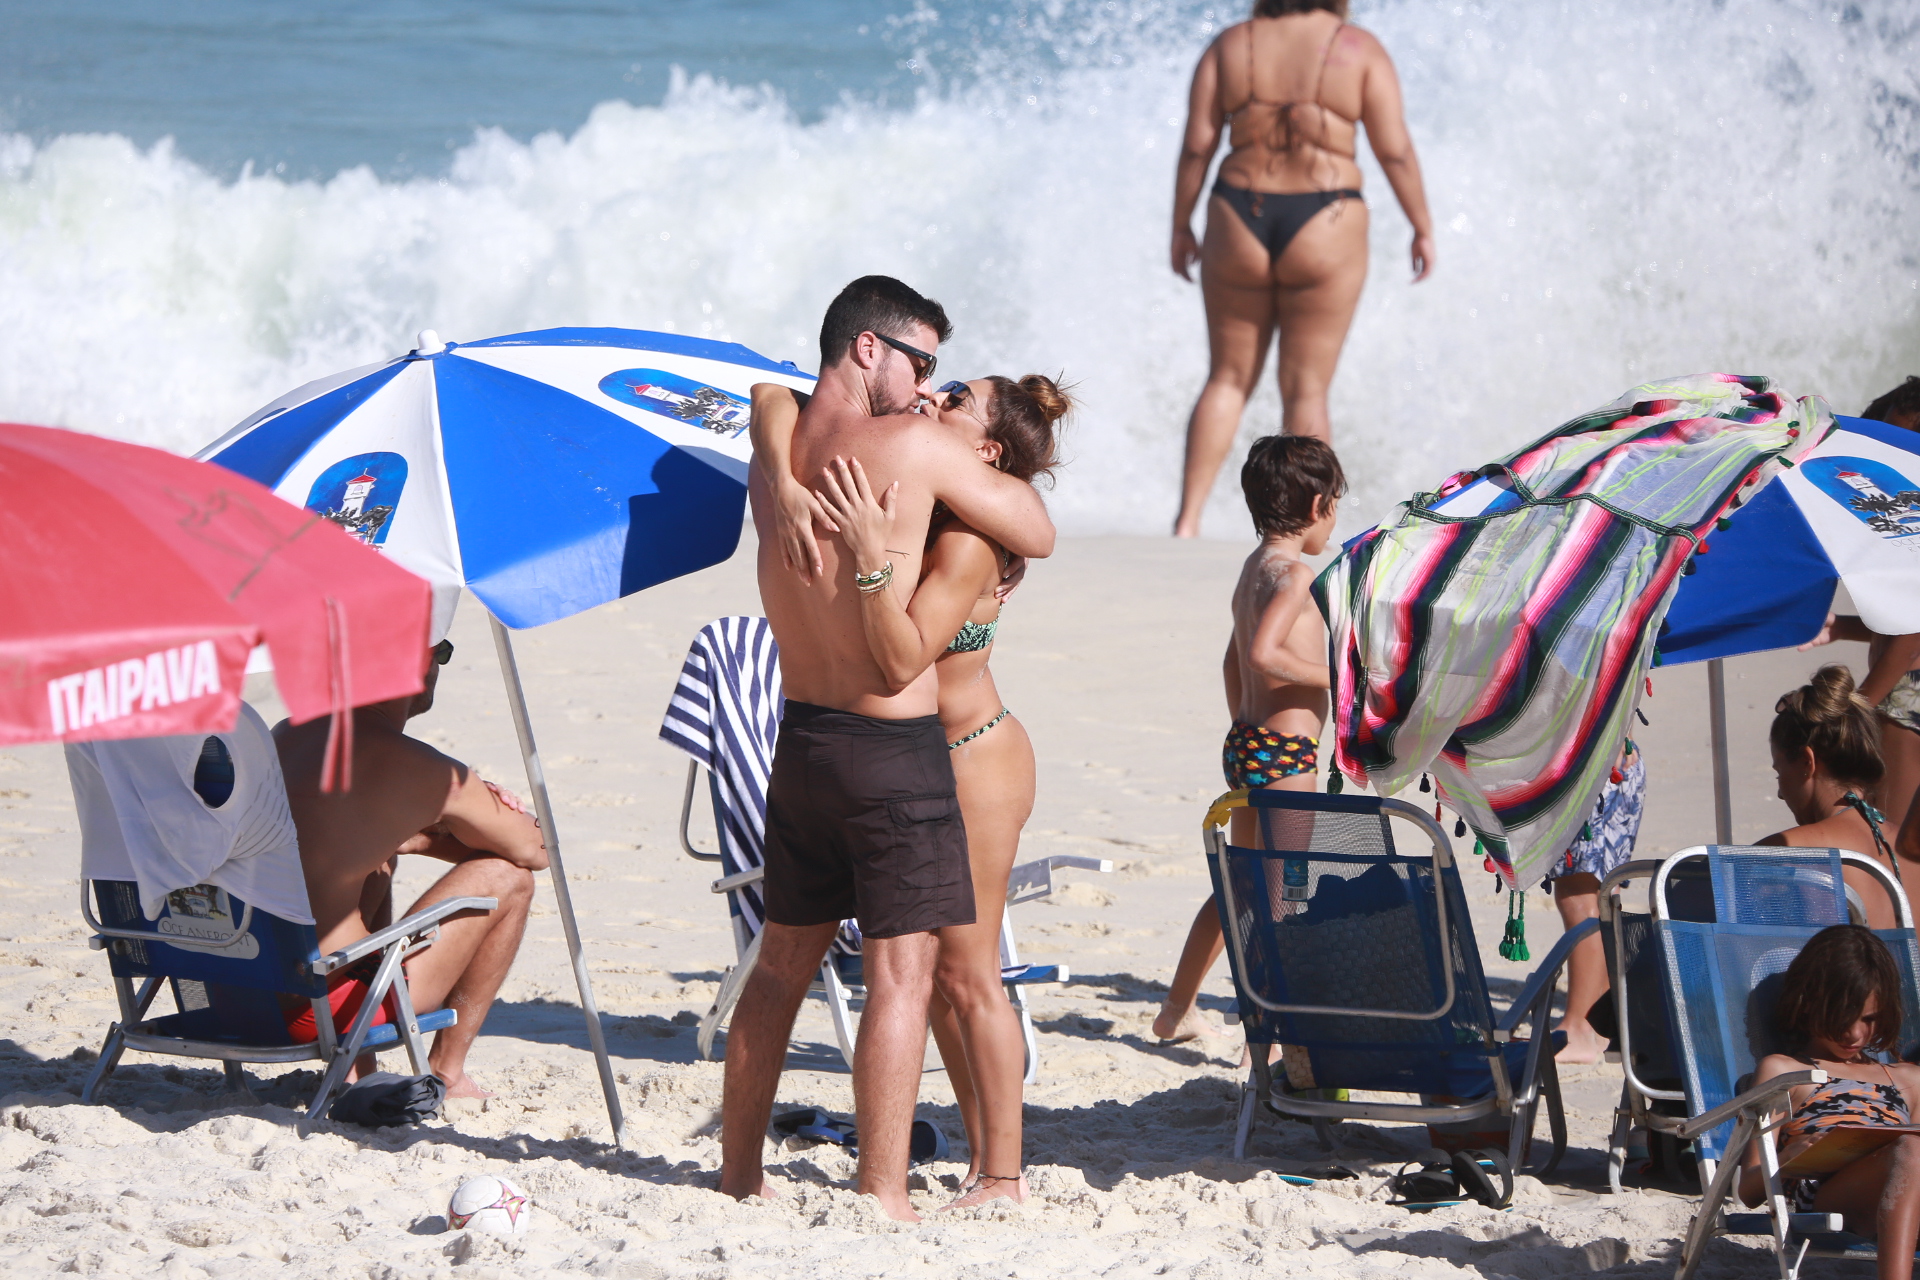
(862, 820)
(1276, 670)
(409, 798)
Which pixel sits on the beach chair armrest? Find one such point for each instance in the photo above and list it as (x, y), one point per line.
(1543, 978)
(1752, 1099)
(686, 817)
(1034, 879)
(727, 884)
(400, 931)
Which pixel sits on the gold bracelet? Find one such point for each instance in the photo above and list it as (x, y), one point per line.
(875, 581)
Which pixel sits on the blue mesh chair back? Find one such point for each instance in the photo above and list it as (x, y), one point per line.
(1330, 913)
(1723, 975)
(228, 996)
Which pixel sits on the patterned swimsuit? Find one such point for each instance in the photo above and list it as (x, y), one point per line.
(1839, 1102)
(1255, 756)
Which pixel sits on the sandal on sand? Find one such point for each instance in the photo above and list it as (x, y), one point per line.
(788, 1123)
(925, 1143)
(1474, 1171)
(1425, 1183)
(1328, 1173)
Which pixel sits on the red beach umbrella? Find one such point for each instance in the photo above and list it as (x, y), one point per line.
(134, 583)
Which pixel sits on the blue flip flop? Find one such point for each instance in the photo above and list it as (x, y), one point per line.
(839, 1132)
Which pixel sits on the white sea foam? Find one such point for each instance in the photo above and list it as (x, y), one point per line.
(1623, 190)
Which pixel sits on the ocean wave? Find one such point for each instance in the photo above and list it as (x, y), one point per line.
(1622, 191)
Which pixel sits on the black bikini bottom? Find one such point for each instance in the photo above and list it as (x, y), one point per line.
(1275, 218)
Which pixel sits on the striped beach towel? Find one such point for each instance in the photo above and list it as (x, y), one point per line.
(725, 713)
(1497, 632)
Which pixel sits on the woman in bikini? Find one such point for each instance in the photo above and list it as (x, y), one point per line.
(1840, 1008)
(950, 622)
(1286, 244)
(1825, 742)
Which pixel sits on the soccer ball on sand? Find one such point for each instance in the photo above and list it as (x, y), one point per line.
(492, 1205)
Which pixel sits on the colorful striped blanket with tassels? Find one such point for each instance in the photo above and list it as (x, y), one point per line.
(1497, 632)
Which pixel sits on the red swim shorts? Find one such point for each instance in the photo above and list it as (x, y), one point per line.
(346, 992)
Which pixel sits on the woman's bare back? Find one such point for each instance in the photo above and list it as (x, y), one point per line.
(1291, 91)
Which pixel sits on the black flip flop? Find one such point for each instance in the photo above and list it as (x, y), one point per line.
(1474, 1172)
(1328, 1172)
(1425, 1183)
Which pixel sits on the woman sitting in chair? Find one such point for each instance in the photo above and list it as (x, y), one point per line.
(950, 624)
(1840, 1008)
(1826, 755)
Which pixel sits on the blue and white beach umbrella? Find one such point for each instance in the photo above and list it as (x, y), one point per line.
(547, 472)
(1850, 512)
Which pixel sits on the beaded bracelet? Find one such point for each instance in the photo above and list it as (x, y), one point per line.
(872, 582)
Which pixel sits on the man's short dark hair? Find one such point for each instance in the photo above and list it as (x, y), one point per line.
(1282, 477)
(877, 304)
(1902, 400)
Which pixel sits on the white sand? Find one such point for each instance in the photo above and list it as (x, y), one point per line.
(1111, 657)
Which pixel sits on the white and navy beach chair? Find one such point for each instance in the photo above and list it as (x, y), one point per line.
(173, 832)
(1357, 956)
(1726, 921)
(725, 715)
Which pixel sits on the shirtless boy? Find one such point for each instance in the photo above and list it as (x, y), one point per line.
(409, 798)
(862, 820)
(1276, 670)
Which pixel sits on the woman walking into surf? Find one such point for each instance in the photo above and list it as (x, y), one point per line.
(950, 623)
(1286, 245)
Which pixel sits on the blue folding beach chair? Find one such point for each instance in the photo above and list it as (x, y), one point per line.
(725, 715)
(1652, 1093)
(1358, 958)
(228, 963)
(1719, 960)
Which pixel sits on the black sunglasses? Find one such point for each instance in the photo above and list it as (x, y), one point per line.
(956, 393)
(923, 364)
(443, 653)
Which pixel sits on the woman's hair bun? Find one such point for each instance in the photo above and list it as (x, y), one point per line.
(1828, 715)
(1021, 416)
(1829, 697)
(1049, 397)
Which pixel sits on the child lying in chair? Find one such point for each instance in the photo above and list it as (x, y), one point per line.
(1840, 1002)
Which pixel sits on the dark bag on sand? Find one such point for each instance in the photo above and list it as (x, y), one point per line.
(385, 1098)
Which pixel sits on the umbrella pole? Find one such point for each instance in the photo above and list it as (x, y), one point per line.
(1717, 722)
(543, 808)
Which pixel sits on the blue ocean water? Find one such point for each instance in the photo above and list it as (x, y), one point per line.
(307, 90)
(205, 204)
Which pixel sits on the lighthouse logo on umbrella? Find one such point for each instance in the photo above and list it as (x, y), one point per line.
(1878, 496)
(672, 396)
(360, 494)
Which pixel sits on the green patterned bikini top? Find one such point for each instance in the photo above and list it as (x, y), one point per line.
(974, 636)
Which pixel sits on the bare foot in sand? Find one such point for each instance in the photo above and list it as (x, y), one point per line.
(981, 1190)
(895, 1206)
(1584, 1044)
(758, 1185)
(462, 1086)
(1192, 1025)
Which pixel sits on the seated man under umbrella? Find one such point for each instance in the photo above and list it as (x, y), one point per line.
(408, 798)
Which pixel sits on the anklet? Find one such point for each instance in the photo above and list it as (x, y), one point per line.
(988, 1177)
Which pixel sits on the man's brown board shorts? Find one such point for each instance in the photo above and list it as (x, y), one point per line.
(863, 823)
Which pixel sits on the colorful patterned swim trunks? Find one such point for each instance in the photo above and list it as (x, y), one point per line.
(1255, 756)
(1902, 703)
(1607, 840)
